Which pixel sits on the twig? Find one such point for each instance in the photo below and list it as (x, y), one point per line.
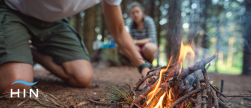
(144, 94)
(157, 68)
(141, 80)
(22, 102)
(208, 87)
(209, 64)
(192, 100)
(239, 95)
(218, 91)
(222, 85)
(138, 106)
(198, 104)
(159, 93)
(223, 105)
(196, 66)
(230, 99)
(204, 96)
(131, 105)
(133, 95)
(100, 103)
(133, 92)
(188, 95)
(216, 103)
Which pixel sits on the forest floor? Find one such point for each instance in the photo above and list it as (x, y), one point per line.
(76, 97)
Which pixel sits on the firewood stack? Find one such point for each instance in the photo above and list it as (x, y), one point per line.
(173, 91)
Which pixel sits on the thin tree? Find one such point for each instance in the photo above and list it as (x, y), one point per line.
(247, 42)
(174, 30)
(89, 28)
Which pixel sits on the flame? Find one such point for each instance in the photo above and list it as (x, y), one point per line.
(166, 98)
(184, 49)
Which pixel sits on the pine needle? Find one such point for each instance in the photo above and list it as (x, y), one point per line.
(119, 94)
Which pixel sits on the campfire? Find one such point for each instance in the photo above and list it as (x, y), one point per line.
(174, 87)
(163, 92)
(171, 89)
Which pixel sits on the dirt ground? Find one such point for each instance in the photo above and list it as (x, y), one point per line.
(74, 97)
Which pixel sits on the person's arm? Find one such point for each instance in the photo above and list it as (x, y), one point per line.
(114, 20)
(141, 41)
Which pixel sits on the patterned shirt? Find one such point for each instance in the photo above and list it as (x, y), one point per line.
(148, 31)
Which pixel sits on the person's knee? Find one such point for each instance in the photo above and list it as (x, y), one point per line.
(11, 72)
(150, 48)
(7, 84)
(80, 73)
(83, 78)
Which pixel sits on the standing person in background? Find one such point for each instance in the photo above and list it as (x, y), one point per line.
(143, 31)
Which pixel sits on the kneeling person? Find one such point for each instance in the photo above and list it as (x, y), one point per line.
(59, 47)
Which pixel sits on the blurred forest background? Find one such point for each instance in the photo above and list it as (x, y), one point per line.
(211, 26)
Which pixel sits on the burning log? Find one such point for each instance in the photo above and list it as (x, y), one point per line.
(196, 66)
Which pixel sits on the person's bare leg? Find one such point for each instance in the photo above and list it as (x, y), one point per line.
(77, 73)
(149, 50)
(14, 71)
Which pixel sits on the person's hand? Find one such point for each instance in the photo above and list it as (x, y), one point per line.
(143, 74)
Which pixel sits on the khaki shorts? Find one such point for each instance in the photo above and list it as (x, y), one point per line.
(56, 39)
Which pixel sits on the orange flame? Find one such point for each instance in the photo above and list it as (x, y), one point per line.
(167, 97)
(184, 49)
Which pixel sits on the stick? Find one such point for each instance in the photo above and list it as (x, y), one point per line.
(164, 67)
(187, 95)
(204, 99)
(230, 99)
(141, 80)
(157, 95)
(193, 100)
(223, 105)
(144, 94)
(208, 87)
(196, 66)
(198, 104)
(218, 91)
(133, 95)
(239, 95)
(221, 87)
(100, 103)
(216, 103)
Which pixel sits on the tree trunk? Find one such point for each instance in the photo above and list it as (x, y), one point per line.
(89, 28)
(247, 42)
(194, 26)
(158, 27)
(77, 22)
(218, 35)
(174, 31)
(151, 9)
(204, 16)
